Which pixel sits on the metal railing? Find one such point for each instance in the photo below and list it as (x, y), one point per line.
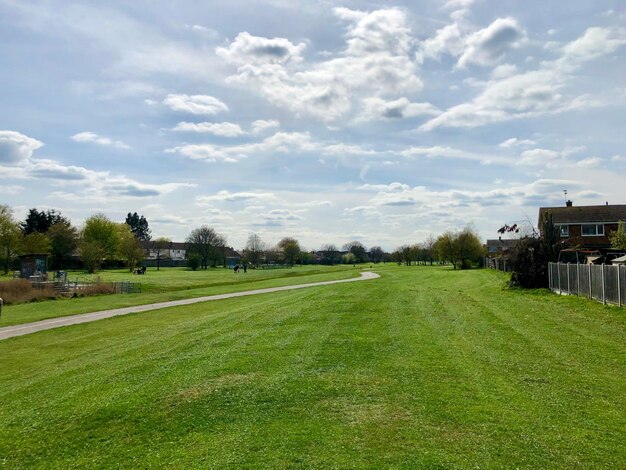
(605, 283)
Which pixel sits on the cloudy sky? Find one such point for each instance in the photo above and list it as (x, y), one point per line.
(329, 121)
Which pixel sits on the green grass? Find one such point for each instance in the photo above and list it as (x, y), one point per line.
(425, 367)
(169, 284)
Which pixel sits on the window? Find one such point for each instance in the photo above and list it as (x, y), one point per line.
(563, 230)
(592, 230)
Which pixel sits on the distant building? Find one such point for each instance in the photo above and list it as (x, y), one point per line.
(585, 227)
(499, 247)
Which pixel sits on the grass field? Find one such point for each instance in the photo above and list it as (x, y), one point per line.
(424, 367)
(169, 284)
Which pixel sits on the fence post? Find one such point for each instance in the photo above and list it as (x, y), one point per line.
(569, 289)
(578, 279)
(589, 272)
(549, 275)
(619, 285)
(558, 275)
(603, 287)
(1, 302)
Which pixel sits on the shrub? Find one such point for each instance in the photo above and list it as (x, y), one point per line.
(21, 290)
(97, 289)
(194, 261)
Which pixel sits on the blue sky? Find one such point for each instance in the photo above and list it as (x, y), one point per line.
(379, 121)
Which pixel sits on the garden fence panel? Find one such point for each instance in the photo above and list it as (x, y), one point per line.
(604, 283)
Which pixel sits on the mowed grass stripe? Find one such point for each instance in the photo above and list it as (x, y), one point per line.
(424, 367)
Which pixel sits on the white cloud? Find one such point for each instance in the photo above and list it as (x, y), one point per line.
(391, 187)
(515, 142)
(596, 42)
(504, 71)
(94, 138)
(247, 49)
(376, 60)
(280, 142)
(590, 162)
(488, 46)
(538, 156)
(447, 40)
(194, 104)
(227, 196)
(261, 125)
(375, 108)
(16, 148)
(224, 129)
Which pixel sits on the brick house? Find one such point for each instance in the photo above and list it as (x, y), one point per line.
(585, 227)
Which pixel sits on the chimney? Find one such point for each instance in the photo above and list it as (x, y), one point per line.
(568, 203)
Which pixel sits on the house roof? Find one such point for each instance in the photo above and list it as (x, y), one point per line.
(506, 243)
(584, 214)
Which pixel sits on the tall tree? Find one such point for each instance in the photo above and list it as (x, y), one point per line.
(446, 248)
(100, 241)
(290, 248)
(376, 254)
(254, 249)
(358, 250)
(130, 249)
(41, 221)
(206, 243)
(64, 240)
(36, 242)
(9, 236)
(160, 245)
(139, 226)
(469, 247)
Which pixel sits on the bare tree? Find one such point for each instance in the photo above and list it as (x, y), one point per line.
(206, 243)
(254, 249)
(160, 245)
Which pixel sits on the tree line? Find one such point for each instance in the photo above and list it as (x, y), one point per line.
(101, 241)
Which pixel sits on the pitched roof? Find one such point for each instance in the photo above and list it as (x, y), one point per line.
(584, 214)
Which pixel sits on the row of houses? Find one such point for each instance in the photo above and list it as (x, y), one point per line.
(582, 230)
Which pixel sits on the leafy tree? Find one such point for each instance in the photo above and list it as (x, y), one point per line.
(469, 247)
(618, 237)
(130, 248)
(206, 243)
(92, 254)
(459, 248)
(358, 250)
(530, 256)
(100, 241)
(446, 248)
(41, 221)
(290, 248)
(63, 240)
(349, 258)
(405, 254)
(36, 242)
(138, 226)
(9, 236)
(160, 245)
(254, 249)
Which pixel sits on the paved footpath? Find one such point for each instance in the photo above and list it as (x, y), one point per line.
(27, 328)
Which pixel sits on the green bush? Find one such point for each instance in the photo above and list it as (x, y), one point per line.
(194, 261)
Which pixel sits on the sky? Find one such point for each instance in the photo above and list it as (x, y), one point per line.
(378, 121)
